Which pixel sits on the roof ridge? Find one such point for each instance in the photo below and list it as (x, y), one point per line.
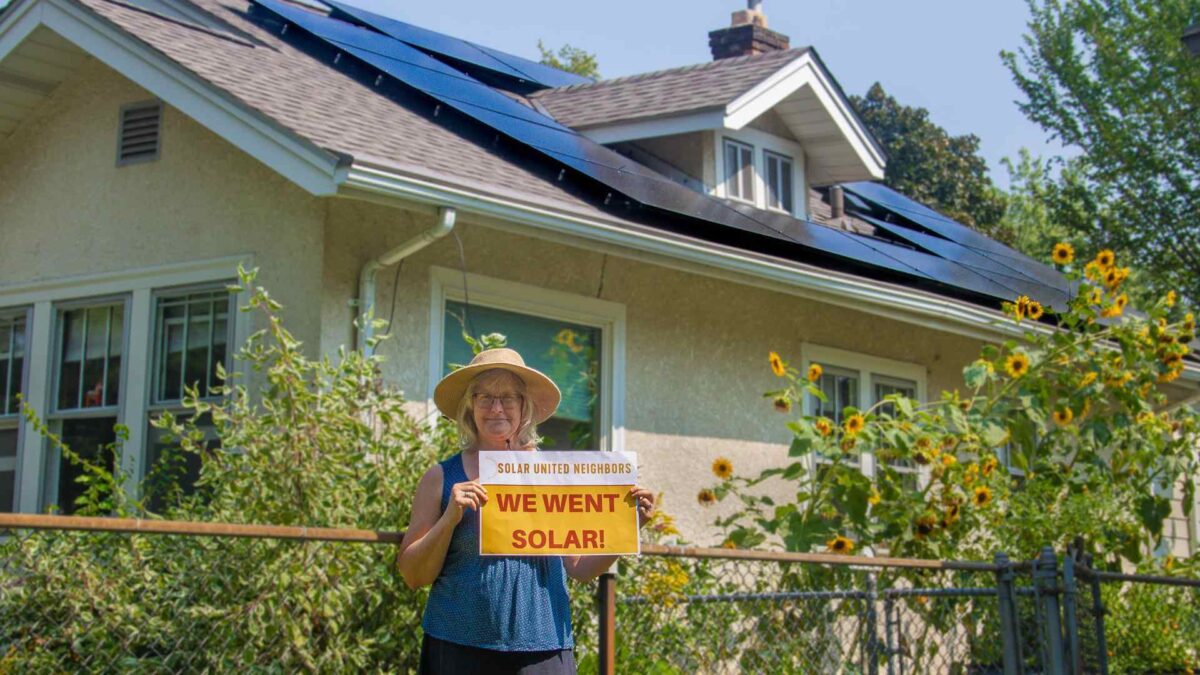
(639, 77)
(191, 25)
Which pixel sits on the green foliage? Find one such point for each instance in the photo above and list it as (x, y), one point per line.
(1079, 409)
(1112, 79)
(931, 166)
(571, 59)
(325, 444)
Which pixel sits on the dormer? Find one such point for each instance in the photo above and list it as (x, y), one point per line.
(761, 124)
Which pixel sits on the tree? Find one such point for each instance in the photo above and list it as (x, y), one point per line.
(1111, 78)
(931, 166)
(570, 59)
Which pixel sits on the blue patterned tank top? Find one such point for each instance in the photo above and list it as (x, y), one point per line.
(506, 603)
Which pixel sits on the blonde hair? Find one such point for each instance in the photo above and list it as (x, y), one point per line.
(526, 436)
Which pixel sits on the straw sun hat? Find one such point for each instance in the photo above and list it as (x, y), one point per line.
(539, 388)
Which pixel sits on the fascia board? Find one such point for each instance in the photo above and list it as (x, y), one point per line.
(655, 128)
(298, 160)
(802, 72)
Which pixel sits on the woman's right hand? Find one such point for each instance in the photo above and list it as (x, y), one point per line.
(466, 495)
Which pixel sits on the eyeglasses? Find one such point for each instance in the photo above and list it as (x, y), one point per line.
(485, 401)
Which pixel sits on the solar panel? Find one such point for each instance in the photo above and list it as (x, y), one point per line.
(489, 59)
(480, 102)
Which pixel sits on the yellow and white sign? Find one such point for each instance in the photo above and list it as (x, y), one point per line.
(558, 503)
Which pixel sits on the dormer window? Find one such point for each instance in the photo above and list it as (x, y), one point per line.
(780, 186)
(739, 171)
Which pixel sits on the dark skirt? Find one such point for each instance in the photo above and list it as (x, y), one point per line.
(439, 657)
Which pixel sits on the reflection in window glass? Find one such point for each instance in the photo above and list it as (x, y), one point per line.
(191, 338)
(739, 171)
(90, 439)
(779, 182)
(89, 366)
(568, 353)
(841, 390)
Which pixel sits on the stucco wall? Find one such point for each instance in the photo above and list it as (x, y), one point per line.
(696, 346)
(67, 210)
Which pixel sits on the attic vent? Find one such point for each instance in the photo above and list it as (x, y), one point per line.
(141, 124)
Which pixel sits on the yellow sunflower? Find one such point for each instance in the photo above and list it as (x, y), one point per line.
(722, 468)
(1171, 375)
(875, 497)
(1017, 365)
(783, 404)
(1120, 301)
(1063, 416)
(855, 424)
(989, 465)
(1088, 378)
(777, 365)
(707, 497)
(823, 426)
(983, 496)
(925, 525)
(814, 372)
(1063, 253)
(840, 545)
(1034, 309)
(1171, 298)
(1096, 296)
(728, 543)
(1093, 271)
(1105, 259)
(949, 460)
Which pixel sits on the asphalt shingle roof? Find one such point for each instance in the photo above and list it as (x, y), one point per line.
(706, 86)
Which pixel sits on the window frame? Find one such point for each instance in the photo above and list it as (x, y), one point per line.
(160, 294)
(762, 145)
(728, 178)
(14, 420)
(608, 317)
(869, 369)
(769, 155)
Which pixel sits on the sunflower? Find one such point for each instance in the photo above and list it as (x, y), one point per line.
(1105, 259)
(728, 543)
(1171, 298)
(875, 497)
(1063, 253)
(847, 444)
(1017, 365)
(707, 497)
(839, 545)
(1170, 376)
(1092, 271)
(949, 460)
(1034, 309)
(921, 457)
(1112, 278)
(1120, 301)
(983, 496)
(722, 468)
(1096, 296)
(925, 525)
(1088, 378)
(777, 365)
(855, 424)
(823, 426)
(1063, 416)
(1172, 358)
(814, 372)
(783, 404)
(989, 465)
(951, 515)
(1145, 418)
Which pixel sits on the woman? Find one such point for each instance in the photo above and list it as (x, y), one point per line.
(503, 614)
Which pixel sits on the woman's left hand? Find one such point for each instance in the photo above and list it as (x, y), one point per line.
(644, 499)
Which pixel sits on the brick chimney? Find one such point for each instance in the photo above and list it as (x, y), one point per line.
(747, 35)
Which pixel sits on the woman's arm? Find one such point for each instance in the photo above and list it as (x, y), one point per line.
(423, 549)
(585, 568)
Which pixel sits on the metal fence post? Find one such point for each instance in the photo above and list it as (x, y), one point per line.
(1098, 611)
(1045, 580)
(606, 600)
(1070, 620)
(1010, 632)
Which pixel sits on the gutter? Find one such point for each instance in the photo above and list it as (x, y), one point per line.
(845, 290)
(366, 277)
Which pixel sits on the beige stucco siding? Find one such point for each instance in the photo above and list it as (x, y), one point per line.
(67, 210)
(696, 346)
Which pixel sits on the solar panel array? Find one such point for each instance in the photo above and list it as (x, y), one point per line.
(932, 251)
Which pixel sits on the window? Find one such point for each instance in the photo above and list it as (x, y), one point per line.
(739, 171)
(12, 379)
(779, 182)
(192, 333)
(88, 362)
(841, 389)
(566, 352)
(886, 386)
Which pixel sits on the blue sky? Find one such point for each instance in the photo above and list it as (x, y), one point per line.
(938, 54)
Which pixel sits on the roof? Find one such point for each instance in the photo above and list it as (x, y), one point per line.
(705, 86)
(294, 79)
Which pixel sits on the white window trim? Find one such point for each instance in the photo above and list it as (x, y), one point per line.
(609, 317)
(726, 177)
(761, 143)
(866, 366)
(138, 285)
(779, 156)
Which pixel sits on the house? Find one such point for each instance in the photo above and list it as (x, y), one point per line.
(645, 240)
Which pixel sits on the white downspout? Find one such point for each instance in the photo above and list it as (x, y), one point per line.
(366, 277)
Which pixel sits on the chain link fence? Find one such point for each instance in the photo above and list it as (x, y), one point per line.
(106, 595)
